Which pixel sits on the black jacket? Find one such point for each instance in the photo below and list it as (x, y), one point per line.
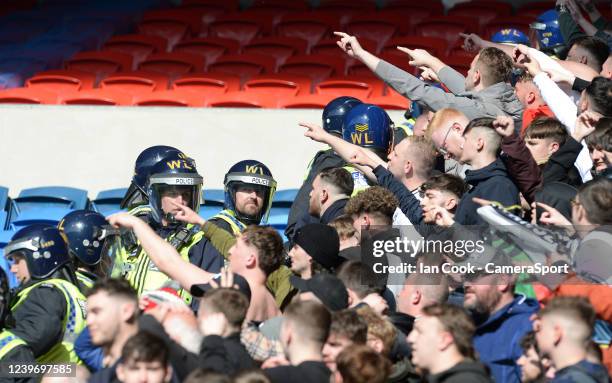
(306, 372)
(299, 209)
(223, 355)
(560, 166)
(463, 372)
(335, 210)
(491, 183)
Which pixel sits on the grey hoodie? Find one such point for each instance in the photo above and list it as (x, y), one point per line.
(495, 100)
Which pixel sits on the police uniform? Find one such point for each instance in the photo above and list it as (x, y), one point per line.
(47, 313)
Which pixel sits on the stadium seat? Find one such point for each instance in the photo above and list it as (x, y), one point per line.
(517, 22)
(378, 30)
(284, 198)
(244, 66)
(266, 19)
(280, 5)
(485, 11)
(278, 87)
(317, 67)
(97, 96)
(62, 79)
(50, 215)
(27, 96)
(270, 80)
(173, 64)
(207, 13)
(344, 5)
(404, 18)
(345, 87)
(227, 5)
(391, 101)
(136, 81)
(397, 58)
(244, 100)
(309, 101)
(210, 48)
(137, 46)
(177, 15)
(173, 97)
(434, 7)
(235, 29)
(4, 199)
(329, 46)
(213, 197)
(278, 47)
(21, 67)
(447, 27)
(459, 63)
(209, 83)
(49, 196)
(107, 201)
(207, 212)
(536, 7)
(434, 45)
(172, 31)
(100, 63)
(307, 26)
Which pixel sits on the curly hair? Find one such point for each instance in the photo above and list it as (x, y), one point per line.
(373, 200)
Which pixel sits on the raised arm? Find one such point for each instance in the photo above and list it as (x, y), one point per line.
(163, 255)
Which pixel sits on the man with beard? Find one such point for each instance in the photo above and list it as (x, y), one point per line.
(502, 319)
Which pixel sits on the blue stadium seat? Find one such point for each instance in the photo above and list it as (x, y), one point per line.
(213, 197)
(48, 196)
(3, 219)
(43, 214)
(4, 198)
(284, 198)
(207, 212)
(5, 237)
(278, 220)
(107, 202)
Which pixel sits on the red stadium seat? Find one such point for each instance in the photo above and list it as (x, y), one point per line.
(307, 26)
(485, 11)
(100, 63)
(345, 87)
(447, 27)
(245, 66)
(207, 13)
(517, 22)
(377, 30)
(536, 7)
(329, 46)
(396, 58)
(173, 64)
(317, 67)
(405, 18)
(434, 45)
(97, 97)
(434, 7)
(180, 15)
(459, 63)
(280, 5)
(278, 47)
(281, 88)
(304, 83)
(61, 81)
(211, 83)
(27, 96)
(173, 97)
(210, 48)
(235, 29)
(243, 100)
(138, 46)
(394, 101)
(171, 30)
(227, 5)
(309, 101)
(136, 82)
(266, 19)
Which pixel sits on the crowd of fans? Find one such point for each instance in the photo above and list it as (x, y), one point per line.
(524, 139)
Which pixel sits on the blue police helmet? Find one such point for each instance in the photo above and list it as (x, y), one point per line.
(89, 235)
(368, 126)
(174, 175)
(510, 36)
(43, 246)
(334, 111)
(136, 194)
(548, 31)
(253, 174)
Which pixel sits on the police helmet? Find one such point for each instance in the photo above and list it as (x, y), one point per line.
(369, 126)
(548, 32)
(173, 175)
(137, 193)
(89, 235)
(44, 248)
(256, 175)
(510, 36)
(334, 111)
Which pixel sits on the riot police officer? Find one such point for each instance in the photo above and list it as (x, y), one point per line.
(173, 181)
(92, 243)
(249, 191)
(47, 311)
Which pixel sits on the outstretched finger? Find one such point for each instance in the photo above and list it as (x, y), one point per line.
(341, 34)
(544, 206)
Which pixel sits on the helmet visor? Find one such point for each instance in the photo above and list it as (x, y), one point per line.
(266, 183)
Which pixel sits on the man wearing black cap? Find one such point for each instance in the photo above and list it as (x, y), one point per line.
(315, 248)
(325, 288)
